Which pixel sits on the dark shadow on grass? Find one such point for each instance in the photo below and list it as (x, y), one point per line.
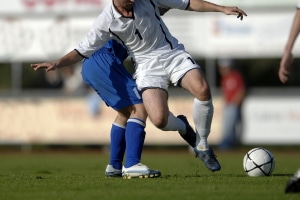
(168, 176)
(289, 175)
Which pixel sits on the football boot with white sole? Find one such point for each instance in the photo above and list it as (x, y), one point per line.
(139, 171)
(110, 171)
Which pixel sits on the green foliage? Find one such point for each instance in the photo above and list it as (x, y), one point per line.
(80, 175)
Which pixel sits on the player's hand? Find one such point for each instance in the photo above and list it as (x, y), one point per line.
(284, 68)
(47, 66)
(235, 11)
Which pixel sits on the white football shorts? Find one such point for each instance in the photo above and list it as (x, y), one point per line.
(161, 70)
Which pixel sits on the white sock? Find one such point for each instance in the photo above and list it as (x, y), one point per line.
(202, 114)
(175, 124)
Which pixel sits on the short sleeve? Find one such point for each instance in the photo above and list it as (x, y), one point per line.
(175, 4)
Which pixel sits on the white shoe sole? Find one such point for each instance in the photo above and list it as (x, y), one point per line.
(148, 174)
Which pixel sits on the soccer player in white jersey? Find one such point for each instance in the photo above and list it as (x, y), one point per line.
(287, 56)
(159, 59)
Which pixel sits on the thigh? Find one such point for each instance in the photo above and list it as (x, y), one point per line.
(156, 104)
(195, 82)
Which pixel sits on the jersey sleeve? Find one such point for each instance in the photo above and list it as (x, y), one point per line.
(97, 36)
(175, 4)
(298, 5)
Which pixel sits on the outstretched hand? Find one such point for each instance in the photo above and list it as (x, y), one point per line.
(47, 66)
(235, 11)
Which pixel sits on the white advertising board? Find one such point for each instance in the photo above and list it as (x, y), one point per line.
(204, 35)
(271, 120)
(50, 7)
(40, 38)
(13, 7)
(212, 35)
(256, 3)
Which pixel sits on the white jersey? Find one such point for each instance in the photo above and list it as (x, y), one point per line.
(143, 34)
(158, 56)
(298, 5)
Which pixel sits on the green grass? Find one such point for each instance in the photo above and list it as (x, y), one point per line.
(79, 175)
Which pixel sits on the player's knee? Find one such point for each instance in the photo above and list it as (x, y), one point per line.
(203, 93)
(159, 122)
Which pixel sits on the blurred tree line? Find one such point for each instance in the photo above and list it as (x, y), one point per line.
(257, 73)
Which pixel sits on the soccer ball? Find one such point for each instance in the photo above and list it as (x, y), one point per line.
(259, 162)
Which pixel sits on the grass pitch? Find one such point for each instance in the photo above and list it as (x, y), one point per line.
(80, 175)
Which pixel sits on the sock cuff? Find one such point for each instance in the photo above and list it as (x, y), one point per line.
(138, 121)
(118, 125)
(203, 102)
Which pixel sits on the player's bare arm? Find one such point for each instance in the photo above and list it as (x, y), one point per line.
(68, 60)
(287, 57)
(284, 69)
(204, 6)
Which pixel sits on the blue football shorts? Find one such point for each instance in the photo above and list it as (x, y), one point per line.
(106, 74)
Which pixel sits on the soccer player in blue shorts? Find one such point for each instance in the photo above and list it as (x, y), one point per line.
(105, 73)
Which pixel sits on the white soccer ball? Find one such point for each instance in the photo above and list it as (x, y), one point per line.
(259, 162)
